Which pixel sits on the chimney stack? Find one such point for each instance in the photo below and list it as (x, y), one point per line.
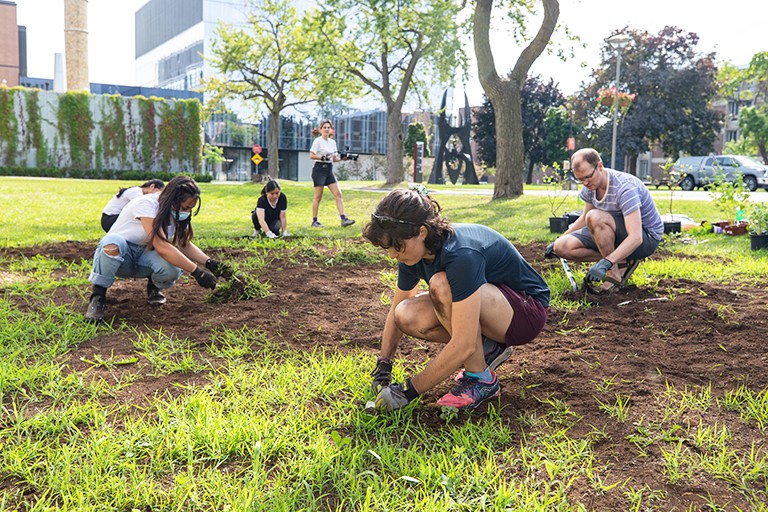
(76, 44)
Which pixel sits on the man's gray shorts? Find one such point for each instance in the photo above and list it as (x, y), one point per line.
(648, 247)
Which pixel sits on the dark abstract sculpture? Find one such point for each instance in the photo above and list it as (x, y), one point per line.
(454, 149)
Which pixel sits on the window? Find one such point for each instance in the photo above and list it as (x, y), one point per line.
(731, 135)
(733, 108)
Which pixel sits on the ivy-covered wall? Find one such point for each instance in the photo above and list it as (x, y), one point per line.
(85, 132)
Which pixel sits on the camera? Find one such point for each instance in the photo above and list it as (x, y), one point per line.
(346, 155)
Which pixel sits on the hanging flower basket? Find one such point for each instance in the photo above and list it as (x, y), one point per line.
(606, 98)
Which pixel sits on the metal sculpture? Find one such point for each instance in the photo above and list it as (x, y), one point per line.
(454, 149)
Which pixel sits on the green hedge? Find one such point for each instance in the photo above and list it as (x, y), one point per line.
(97, 174)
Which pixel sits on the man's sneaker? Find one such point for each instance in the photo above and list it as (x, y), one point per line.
(316, 224)
(96, 307)
(347, 222)
(495, 353)
(154, 296)
(469, 393)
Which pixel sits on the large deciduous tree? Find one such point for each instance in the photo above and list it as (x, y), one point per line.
(675, 88)
(504, 93)
(392, 48)
(536, 99)
(271, 63)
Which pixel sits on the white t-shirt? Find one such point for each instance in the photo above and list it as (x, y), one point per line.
(128, 224)
(323, 147)
(116, 204)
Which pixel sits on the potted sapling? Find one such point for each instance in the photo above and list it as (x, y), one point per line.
(556, 197)
(671, 175)
(731, 199)
(758, 226)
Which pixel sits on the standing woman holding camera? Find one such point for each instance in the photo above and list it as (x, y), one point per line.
(325, 152)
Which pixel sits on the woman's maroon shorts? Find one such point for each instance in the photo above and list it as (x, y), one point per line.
(528, 319)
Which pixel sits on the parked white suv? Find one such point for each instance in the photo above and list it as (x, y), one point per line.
(699, 171)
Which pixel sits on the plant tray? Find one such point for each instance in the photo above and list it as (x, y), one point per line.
(736, 229)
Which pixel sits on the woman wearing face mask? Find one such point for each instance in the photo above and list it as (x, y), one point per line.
(152, 238)
(269, 215)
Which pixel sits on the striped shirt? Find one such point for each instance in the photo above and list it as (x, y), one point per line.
(625, 194)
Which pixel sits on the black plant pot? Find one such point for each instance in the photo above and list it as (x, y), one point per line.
(758, 242)
(558, 224)
(671, 227)
(573, 216)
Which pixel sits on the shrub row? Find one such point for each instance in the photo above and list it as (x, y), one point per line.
(97, 174)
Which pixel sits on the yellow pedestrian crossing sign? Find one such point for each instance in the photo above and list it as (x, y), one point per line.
(257, 159)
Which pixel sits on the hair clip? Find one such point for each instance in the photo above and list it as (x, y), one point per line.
(419, 188)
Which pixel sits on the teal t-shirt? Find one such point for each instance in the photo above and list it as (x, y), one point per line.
(473, 256)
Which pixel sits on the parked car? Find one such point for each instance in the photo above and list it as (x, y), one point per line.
(700, 171)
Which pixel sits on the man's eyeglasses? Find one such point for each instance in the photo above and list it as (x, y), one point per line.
(587, 177)
(390, 222)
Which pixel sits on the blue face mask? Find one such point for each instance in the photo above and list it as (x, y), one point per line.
(181, 215)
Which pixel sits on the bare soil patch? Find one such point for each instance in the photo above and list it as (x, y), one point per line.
(681, 333)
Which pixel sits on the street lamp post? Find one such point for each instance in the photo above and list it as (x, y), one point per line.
(618, 42)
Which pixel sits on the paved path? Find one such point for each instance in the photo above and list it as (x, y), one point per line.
(759, 196)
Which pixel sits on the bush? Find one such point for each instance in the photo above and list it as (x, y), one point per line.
(98, 174)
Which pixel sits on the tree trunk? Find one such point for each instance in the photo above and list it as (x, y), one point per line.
(510, 152)
(529, 174)
(505, 94)
(761, 148)
(273, 162)
(394, 144)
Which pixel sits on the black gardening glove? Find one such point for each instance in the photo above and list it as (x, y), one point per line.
(549, 252)
(382, 375)
(396, 396)
(204, 278)
(597, 271)
(218, 268)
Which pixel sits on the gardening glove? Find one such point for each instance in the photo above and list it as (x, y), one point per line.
(286, 234)
(549, 252)
(597, 271)
(218, 268)
(396, 396)
(382, 375)
(204, 278)
(271, 235)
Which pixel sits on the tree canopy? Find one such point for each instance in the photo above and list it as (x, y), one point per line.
(674, 86)
(749, 89)
(417, 132)
(392, 49)
(272, 60)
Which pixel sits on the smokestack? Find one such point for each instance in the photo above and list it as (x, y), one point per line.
(76, 44)
(59, 73)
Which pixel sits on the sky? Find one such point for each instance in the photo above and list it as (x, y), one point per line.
(734, 30)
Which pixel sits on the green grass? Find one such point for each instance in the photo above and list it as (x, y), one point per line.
(266, 428)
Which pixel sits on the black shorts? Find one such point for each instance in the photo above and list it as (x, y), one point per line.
(322, 174)
(648, 247)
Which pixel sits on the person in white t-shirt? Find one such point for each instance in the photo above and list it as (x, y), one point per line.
(619, 227)
(152, 238)
(325, 152)
(124, 196)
